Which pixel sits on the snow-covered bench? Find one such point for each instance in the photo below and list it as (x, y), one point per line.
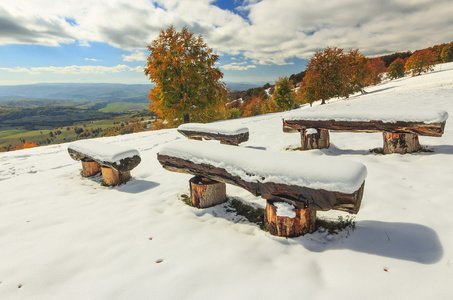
(400, 128)
(307, 183)
(226, 134)
(114, 161)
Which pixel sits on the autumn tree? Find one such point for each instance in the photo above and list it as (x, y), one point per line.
(396, 69)
(357, 70)
(187, 85)
(284, 95)
(377, 70)
(447, 53)
(325, 74)
(421, 61)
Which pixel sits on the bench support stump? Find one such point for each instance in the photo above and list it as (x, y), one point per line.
(90, 168)
(400, 143)
(318, 140)
(112, 177)
(302, 223)
(205, 192)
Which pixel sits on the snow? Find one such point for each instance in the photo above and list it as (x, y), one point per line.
(376, 111)
(224, 128)
(311, 131)
(252, 165)
(67, 237)
(103, 151)
(285, 209)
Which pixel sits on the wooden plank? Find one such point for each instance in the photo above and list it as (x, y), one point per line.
(231, 139)
(299, 196)
(418, 128)
(124, 165)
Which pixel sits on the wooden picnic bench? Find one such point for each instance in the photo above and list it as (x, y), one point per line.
(400, 129)
(231, 135)
(307, 183)
(114, 161)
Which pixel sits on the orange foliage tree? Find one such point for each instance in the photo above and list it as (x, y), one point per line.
(396, 69)
(357, 70)
(421, 61)
(377, 70)
(186, 82)
(324, 77)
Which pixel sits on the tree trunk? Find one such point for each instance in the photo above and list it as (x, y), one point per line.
(400, 143)
(303, 222)
(90, 168)
(314, 140)
(206, 193)
(111, 177)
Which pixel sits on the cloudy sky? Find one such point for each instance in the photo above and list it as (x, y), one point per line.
(105, 40)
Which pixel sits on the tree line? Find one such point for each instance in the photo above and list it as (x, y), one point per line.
(188, 87)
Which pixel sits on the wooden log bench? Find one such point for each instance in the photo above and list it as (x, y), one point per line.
(231, 135)
(400, 129)
(308, 184)
(114, 161)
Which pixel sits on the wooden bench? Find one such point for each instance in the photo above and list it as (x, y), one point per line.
(231, 135)
(307, 183)
(400, 129)
(114, 161)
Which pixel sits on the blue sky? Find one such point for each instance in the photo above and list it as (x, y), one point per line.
(258, 41)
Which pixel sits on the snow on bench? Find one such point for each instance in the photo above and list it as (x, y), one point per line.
(400, 128)
(307, 183)
(226, 134)
(114, 161)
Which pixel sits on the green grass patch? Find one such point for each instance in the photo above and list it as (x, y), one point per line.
(252, 214)
(335, 226)
(120, 107)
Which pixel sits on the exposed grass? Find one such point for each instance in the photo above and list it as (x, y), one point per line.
(335, 226)
(252, 214)
(119, 107)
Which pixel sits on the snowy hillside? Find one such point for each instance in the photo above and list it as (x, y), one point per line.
(66, 237)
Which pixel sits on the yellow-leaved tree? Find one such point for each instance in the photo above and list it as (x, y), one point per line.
(187, 85)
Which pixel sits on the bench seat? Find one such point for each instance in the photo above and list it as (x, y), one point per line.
(110, 157)
(321, 183)
(232, 135)
(400, 128)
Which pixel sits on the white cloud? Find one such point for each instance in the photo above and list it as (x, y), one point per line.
(75, 69)
(92, 59)
(266, 32)
(238, 66)
(136, 56)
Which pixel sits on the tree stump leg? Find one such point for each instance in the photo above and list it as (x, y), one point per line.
(400, 143)
(112, 177)
(205, 192)
(314, 139)
(90, 168)
(295, 223)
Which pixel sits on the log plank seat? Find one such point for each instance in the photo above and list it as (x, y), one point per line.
(307, 183)
(114, 161)
(230, 135)
(400, 129)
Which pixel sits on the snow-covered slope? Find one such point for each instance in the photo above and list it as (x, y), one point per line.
(66, 237)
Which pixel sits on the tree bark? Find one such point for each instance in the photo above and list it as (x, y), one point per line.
(206, 193)
(400, 143)
(90, 168)
(302, 223)
(318, 140)
(233, 139)
(112, 177)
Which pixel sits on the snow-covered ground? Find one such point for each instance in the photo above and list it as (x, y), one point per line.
(67, 237)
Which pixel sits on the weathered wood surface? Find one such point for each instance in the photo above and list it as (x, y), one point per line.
(205, 192)
(318, 140)
(230, 139)
(302, 223)
(90, 168)
(299, 196)
(123, 165)
(418, 128)
(111, 177)
(400, 143)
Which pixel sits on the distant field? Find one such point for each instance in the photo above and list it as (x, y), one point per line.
(120, 107)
